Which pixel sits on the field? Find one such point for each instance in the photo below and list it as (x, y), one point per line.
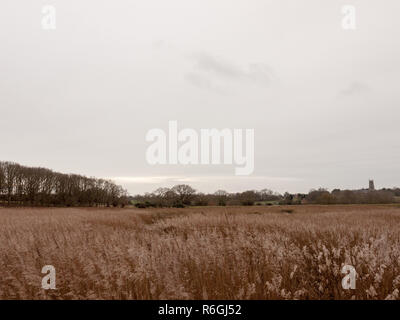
(260, 252)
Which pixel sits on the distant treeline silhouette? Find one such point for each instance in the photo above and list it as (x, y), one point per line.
(21, 185)
(185, 195)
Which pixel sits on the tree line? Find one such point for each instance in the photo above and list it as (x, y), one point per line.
(364, 196)
(34, 186)
(185, 195)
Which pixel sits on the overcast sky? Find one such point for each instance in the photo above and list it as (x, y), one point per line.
(323, 101)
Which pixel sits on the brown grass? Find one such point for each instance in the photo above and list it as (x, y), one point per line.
(201, 253)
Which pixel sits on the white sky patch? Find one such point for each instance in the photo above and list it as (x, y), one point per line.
(146, 180)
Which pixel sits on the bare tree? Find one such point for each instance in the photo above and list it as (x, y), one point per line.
(40, 186)
(184, 194)
(222, 197)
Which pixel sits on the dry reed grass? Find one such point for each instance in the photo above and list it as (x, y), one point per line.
(201, 253)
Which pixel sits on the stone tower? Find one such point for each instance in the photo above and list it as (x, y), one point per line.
(371, 185)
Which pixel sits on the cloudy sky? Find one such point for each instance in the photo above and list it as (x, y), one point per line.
(323, 101)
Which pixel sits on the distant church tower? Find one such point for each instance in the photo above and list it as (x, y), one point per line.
(371, 185)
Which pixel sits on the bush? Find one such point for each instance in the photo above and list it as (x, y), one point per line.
(140, 205)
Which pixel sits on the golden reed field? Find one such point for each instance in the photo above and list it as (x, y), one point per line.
(257, 252)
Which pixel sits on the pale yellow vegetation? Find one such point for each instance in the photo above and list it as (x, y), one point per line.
(201, 253)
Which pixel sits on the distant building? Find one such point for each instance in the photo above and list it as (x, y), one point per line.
(371, 185)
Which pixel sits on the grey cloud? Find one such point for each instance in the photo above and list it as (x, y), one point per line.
(218, 66)
(200, 81)
(355, 88)
(260, 73)
(214, 66)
